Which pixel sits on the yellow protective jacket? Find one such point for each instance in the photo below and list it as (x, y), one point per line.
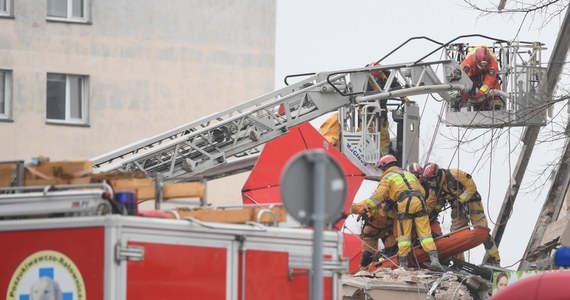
(330, 130)
(454, 184)
(381, 218)
(392, 185)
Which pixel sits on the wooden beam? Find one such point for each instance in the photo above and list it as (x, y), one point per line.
(184, 190)
(236, 216)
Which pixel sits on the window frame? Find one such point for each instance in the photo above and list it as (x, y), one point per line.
(84, 119)
(8, 12)
(7, 115)
(69, 18)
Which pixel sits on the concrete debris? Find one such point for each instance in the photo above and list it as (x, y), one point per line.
(416, 284)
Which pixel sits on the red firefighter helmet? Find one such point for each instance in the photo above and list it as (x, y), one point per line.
(431, 170)
(387, 161)
(374, 73)
(415, 169)
(482, 57)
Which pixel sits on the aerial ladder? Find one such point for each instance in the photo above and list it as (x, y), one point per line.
(236, 132)
(227, 142)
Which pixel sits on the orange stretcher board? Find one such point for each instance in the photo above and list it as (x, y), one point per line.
(447, 245)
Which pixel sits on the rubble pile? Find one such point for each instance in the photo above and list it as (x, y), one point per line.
(386, 283)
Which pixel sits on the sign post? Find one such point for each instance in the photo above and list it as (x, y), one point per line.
(313, 189)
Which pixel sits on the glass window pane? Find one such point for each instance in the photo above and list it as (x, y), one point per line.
(77, 8)
(57, 8)
(75, 95)
(55, 96)
(3, 5)
(2, 92)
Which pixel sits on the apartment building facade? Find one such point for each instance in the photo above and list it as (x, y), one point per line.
(79, 78)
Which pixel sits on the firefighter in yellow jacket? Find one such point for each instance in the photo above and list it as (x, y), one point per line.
(459, 189)
(330, 128)
(377, 223)
(405, 188)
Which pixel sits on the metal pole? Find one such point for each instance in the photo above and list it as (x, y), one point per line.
(157, 191)
(319, 166)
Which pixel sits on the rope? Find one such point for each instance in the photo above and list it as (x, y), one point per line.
(434, 134)
(438, 120)
(460, 140)
(516, 262)
(509, 189)
(490, 175)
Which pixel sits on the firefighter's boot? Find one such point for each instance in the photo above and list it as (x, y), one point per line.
(403, 262)
(365, 260)
(494, 259)
(435, 265)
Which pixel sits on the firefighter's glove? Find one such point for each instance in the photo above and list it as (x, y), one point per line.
(455, 75)
(355, 209)
(437, 209)
(479, 95)
(440, 205)
(464, 197)
(362, 216)
(433, 215)
(453, 202)
(359, 208)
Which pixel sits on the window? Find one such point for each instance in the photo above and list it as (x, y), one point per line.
(67, 101)
(67, 10)
(6, 8)
(5, 95)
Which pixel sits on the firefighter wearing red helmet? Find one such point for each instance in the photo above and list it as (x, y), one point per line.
(378, 222)
(458, 188)
(481, 66)
(405, 189)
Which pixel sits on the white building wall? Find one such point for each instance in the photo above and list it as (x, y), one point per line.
(152, 66)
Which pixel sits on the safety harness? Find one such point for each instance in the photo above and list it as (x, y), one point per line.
(407, 195)
(453, 182)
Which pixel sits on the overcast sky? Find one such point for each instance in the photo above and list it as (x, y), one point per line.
(327, 35)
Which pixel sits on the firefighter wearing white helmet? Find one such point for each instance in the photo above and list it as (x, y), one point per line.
(405, 188)
(454, 185)
(415, 169)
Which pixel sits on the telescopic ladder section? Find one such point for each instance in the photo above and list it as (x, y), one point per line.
(216, 140)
